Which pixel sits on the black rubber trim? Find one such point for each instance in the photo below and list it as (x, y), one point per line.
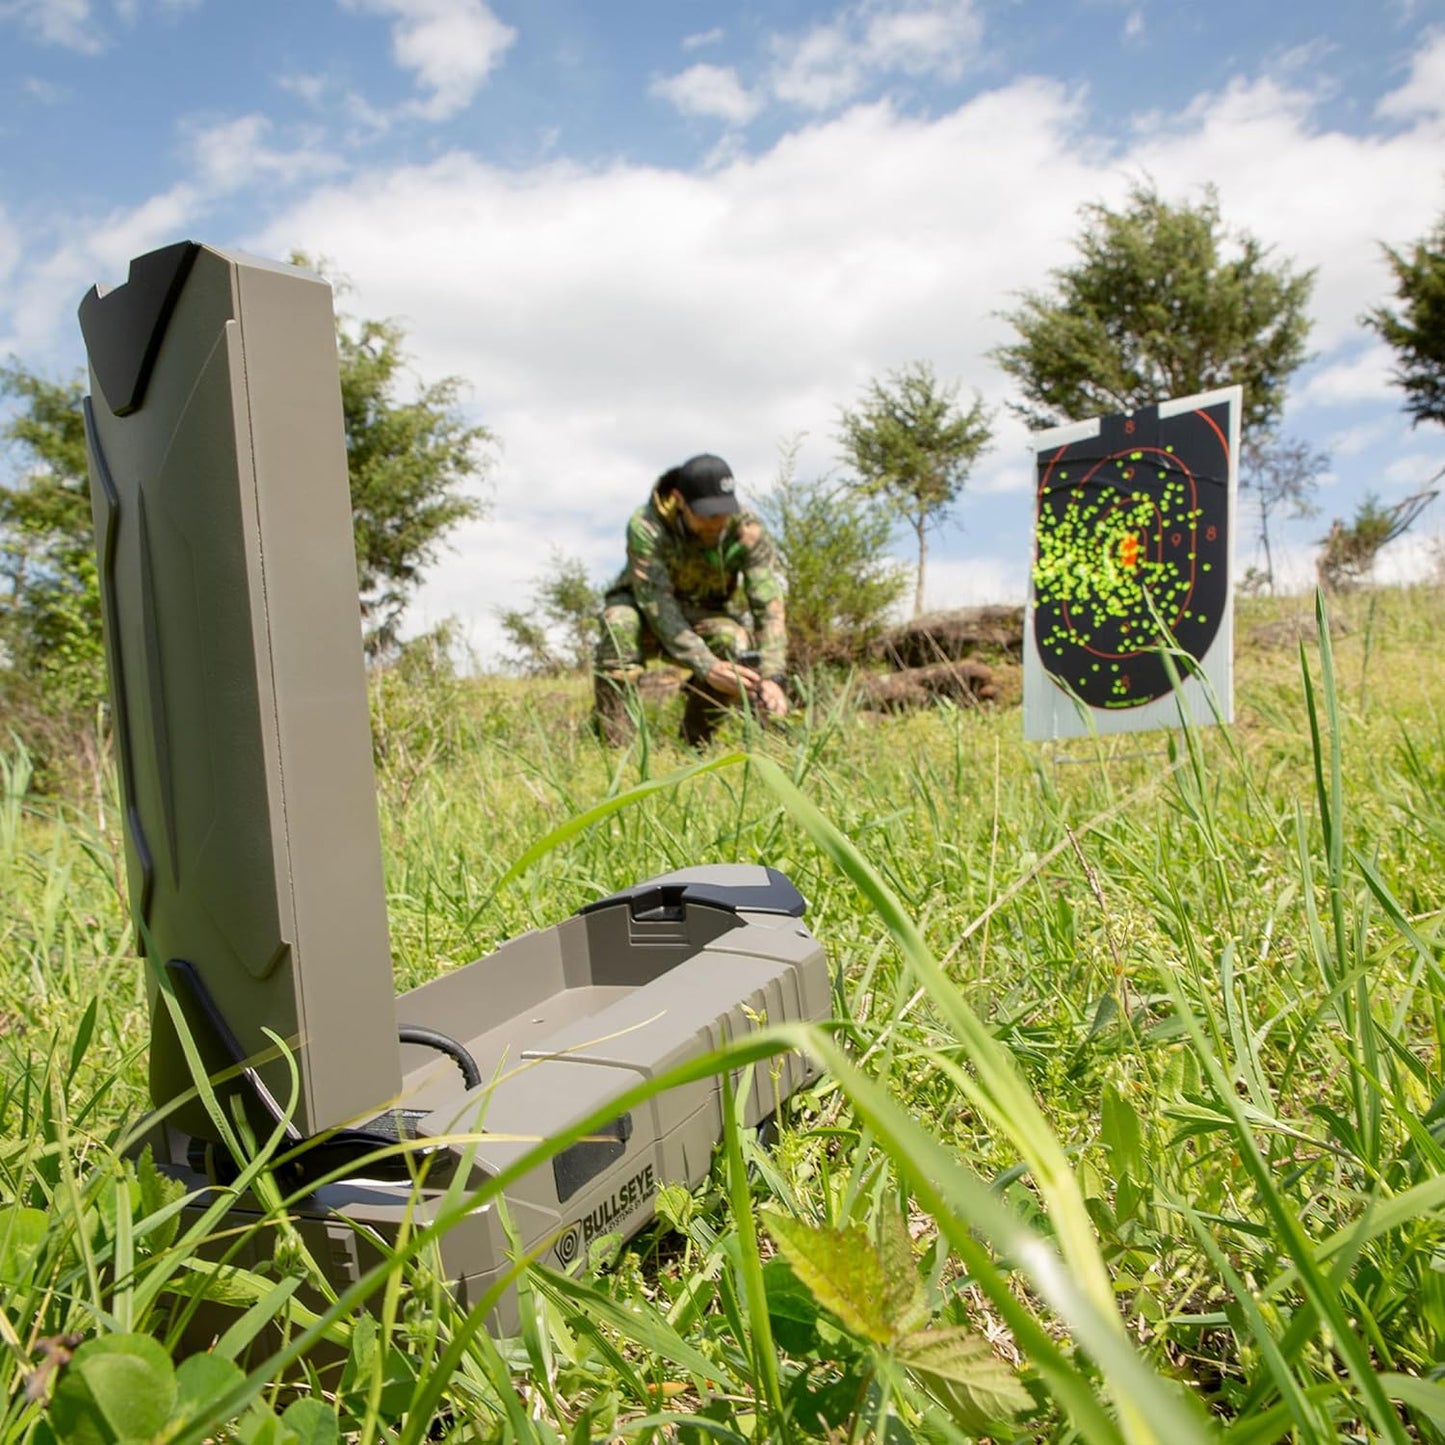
(443, 1044)
(204, 1011)
(659, 901)
(124, 328)
(583, 1161)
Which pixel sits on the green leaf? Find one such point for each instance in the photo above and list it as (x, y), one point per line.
(675, 1206)
(1422, 1397)
(792, 1307)
(21, 1232)
(202, 1379)
(1123, 1138)
(118, 1387)
(157, 1191)
(959, 1369)
(904, 1306)
(369, 1356)
(259, 1426)
(83, 1036)
(842, 1267)
(362, 1357)
(312, 1422)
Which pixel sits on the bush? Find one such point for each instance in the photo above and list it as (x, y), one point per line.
(841, 579)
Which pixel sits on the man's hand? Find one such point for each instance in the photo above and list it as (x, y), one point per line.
(732, 679)
(772, 699)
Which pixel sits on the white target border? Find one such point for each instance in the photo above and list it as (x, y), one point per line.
(1050, 711)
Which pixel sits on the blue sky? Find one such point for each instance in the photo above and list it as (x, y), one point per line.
(643, 228)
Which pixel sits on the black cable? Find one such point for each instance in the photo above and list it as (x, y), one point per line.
(433, 1039)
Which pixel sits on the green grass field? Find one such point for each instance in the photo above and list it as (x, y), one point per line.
(1132, 1126)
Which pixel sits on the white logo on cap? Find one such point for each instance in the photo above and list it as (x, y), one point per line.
(725, 486)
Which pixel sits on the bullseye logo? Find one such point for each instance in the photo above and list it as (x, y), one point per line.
(569, 1246)
(630, 1196)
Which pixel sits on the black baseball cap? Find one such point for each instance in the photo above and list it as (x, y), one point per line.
(705, 483)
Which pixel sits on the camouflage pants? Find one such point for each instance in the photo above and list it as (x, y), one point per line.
(627, 644)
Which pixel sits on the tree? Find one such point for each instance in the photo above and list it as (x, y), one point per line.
(409, 463)
(558, 633)
(50, 615)
(912, 446)
(1417, 331)
(1162, 302)
(1348, 553)
(1280, 471)
(833, 548)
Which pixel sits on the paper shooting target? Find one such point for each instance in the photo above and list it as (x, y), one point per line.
(1131, 549)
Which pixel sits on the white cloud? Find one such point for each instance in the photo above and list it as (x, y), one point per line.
(703, 38)
(1323, 199)
(922, 39)
(66, 23)
(708, 90)
(1423, 94)
(1134, 26)
(450, 45)
(308, 86)
(834, 62)
(1416, 469)
(1354, 440)
(1364, 376)
(975, 582)
(49, 289)
(43, 92)
(819, 70)
(1418, 556)
(233, 155)
(612, 321)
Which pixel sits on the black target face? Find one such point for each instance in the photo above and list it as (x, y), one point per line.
(1132, 531)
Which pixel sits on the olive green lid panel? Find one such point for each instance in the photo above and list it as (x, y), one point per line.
(226, 766)
(342, 959)
(169, 506)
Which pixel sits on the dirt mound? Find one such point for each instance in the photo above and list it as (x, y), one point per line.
(965, 681)
(963, 632)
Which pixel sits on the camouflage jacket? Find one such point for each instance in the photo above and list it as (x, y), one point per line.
(674, 580)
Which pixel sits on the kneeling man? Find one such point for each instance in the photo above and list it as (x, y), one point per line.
(691, 552)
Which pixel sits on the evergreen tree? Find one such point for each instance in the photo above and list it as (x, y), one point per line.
(832, 546)
(912, 446)
(1161, 302)
(557, 634)
(409, 461)
(50, 612)
(1417, 331)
